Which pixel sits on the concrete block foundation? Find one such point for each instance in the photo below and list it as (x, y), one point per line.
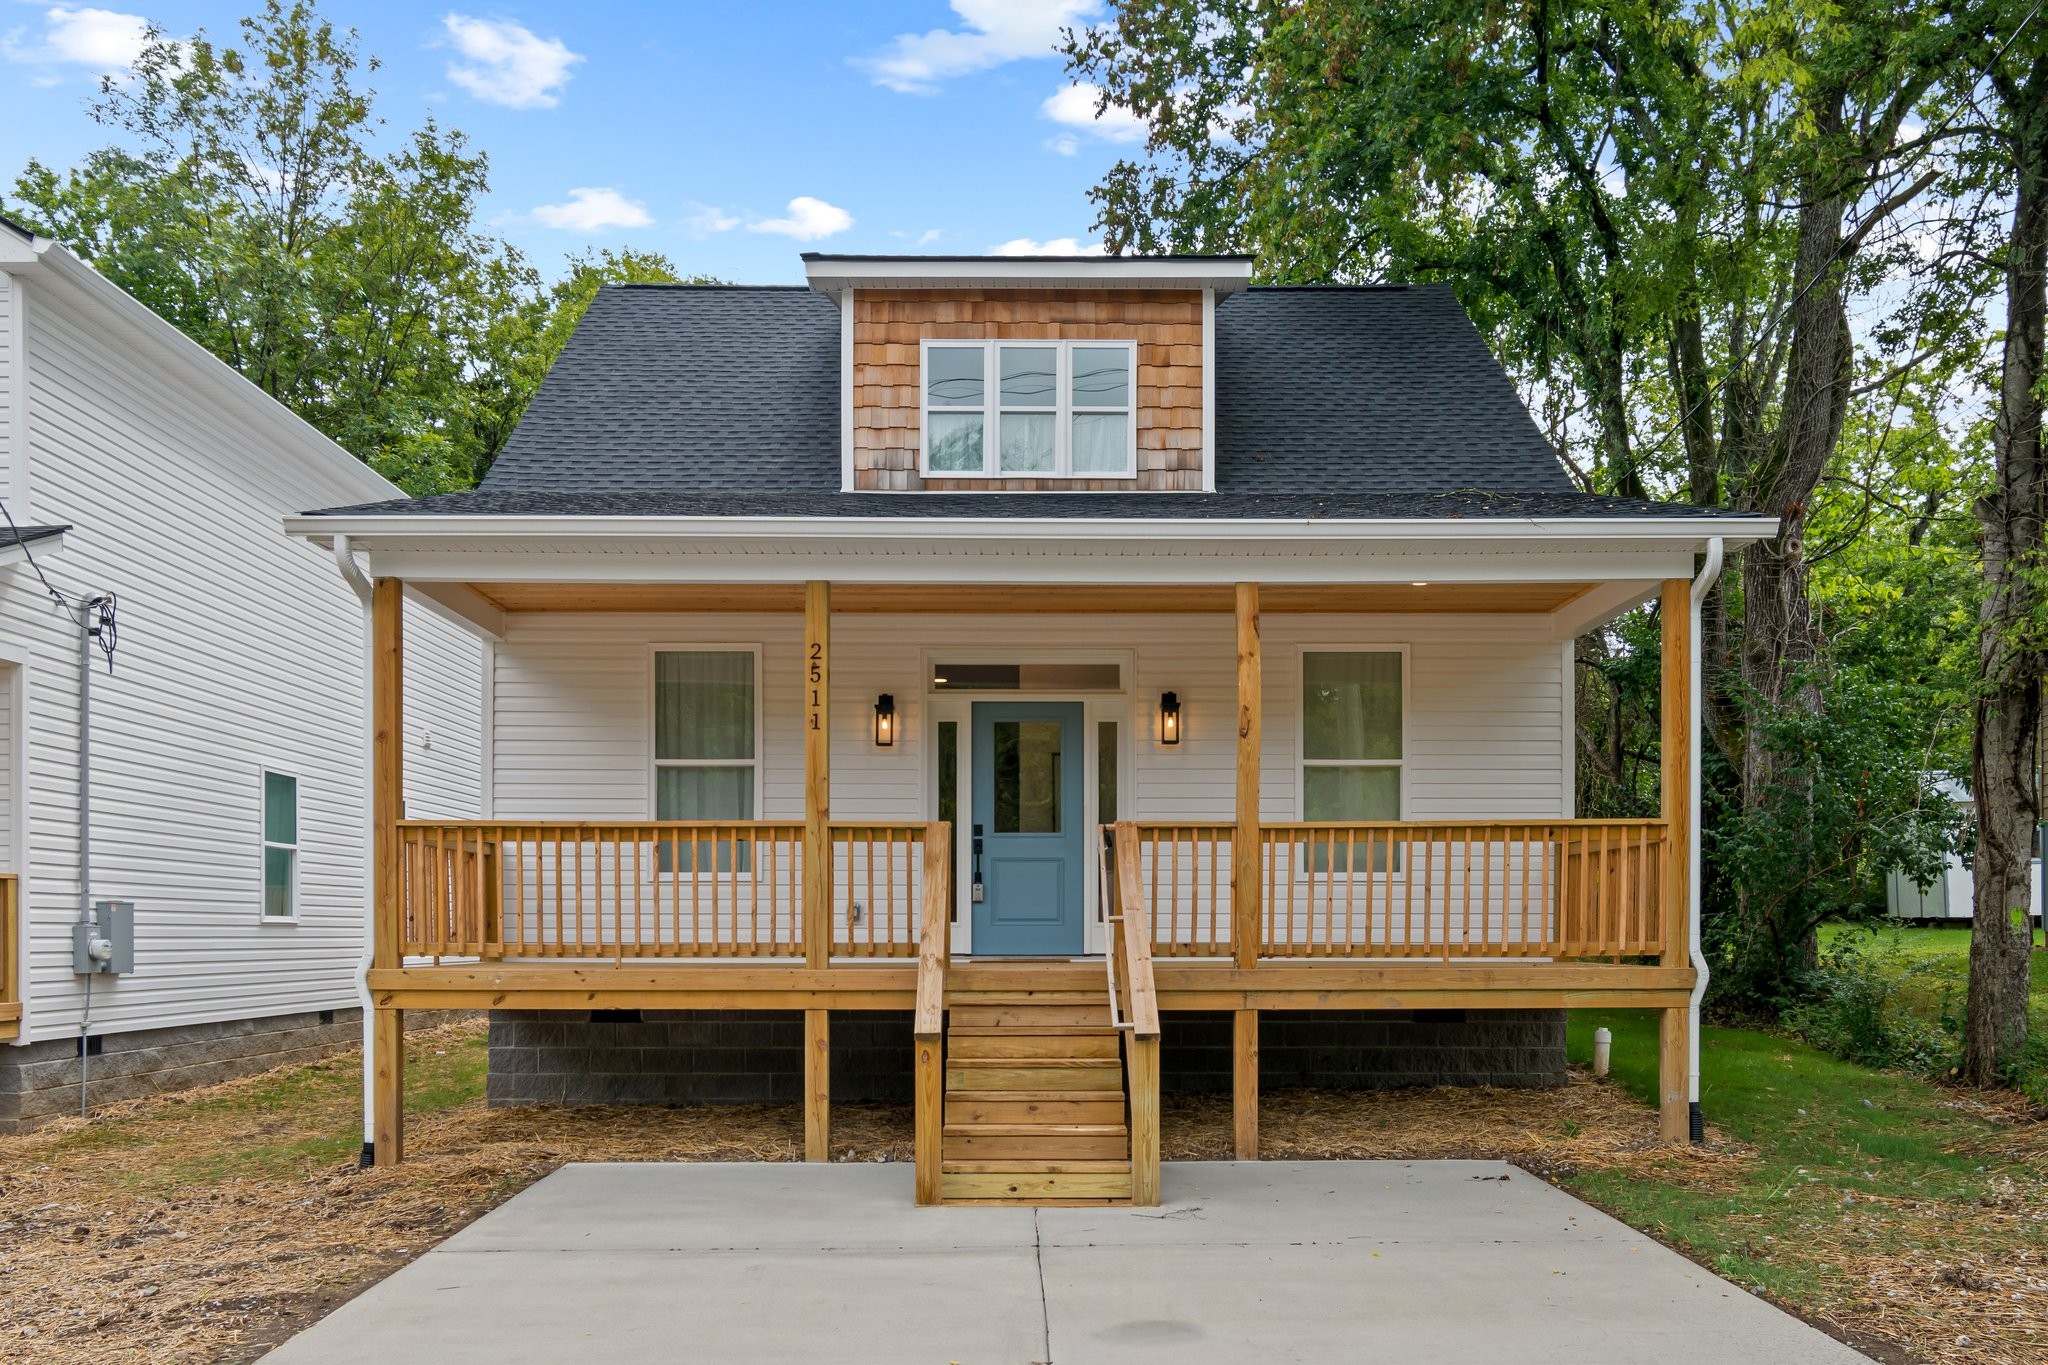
(683, 1057)
(39, 1081)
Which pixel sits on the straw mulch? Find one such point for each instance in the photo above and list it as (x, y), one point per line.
(117, 1245)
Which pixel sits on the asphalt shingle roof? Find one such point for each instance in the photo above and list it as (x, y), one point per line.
(688, 400)
(1367, 390)
(704, 387)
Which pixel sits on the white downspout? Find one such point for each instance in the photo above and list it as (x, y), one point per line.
(1709, 573)
(352, 574)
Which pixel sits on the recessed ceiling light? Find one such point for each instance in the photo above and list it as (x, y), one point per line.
(1418, 585)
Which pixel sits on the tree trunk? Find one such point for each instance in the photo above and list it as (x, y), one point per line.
(1779, 642)
(2009, 658)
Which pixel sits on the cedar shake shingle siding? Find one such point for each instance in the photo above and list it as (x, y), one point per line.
(889, 325)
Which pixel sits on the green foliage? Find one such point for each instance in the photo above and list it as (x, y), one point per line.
(1850, 800)
(1855, 1006)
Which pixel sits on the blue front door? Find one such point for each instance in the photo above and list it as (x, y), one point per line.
(1027, 816)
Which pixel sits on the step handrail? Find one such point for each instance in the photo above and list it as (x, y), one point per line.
(1111, 919)
(1132, 934)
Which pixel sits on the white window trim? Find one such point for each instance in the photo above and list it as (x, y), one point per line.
(990, 409)
(1302, 762)
(655, 763)
(266, 843)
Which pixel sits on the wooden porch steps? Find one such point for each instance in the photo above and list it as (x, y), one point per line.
(1035, 1108)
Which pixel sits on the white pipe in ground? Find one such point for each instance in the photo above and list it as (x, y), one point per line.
(1603, 1049)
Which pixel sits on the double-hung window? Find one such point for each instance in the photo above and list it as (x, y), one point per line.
(706, 742)
(1351, 741)
(280, 846)
(1020, 408)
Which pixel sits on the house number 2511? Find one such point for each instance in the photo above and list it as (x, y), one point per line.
(817, 676)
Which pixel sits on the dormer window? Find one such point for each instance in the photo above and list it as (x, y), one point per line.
(1058, 409)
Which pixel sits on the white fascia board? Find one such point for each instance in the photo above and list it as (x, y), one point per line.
(762, 532)
(986, 563)
(1223, 274)
(65, 275)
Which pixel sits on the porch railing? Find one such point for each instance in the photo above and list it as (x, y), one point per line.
(1566, 889)
(651, 889)
(10, 960)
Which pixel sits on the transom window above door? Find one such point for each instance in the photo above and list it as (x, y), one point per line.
(1008, 409)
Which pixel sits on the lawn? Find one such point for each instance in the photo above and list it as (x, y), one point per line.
(1875, 1200)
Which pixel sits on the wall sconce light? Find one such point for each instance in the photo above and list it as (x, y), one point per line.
(1169, 718)
(885, 721)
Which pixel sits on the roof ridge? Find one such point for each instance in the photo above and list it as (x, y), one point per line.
(700, 284)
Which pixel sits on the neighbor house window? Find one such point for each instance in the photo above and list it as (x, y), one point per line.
(280, 846)
(1012, 408)
(1351, 742)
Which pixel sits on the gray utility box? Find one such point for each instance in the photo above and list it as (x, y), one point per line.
(113, 921)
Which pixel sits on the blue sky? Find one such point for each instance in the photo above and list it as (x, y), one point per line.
(730, 136)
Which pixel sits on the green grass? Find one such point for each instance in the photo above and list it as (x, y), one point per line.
(1846, 1157)
(296, 1120)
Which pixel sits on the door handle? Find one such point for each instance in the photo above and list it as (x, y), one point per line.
(979, 892)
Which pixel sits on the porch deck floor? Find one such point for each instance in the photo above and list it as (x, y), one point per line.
(1300, 1261)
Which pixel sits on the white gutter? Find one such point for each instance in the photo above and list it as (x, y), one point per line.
(1701, 586)
(359, 582)
(1122, 530)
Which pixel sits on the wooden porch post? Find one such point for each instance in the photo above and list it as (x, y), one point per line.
(387, 807)
(1246, 912)
(1675, 801)
(1244, 1084)
(817, 861)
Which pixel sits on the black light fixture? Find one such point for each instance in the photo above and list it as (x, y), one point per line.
(1169, 718)
(885, 720)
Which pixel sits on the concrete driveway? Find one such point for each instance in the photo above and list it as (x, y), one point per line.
(1436, 1261)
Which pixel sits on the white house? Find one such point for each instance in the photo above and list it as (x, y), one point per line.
(228, 741)
(1017, 681)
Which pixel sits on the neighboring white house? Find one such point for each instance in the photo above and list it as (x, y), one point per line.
(228, 742)
(1953, 894)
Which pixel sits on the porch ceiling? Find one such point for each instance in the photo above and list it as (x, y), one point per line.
(1036, 598)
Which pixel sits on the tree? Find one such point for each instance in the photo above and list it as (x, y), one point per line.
(253, 212)
(1662, 215)
(2013, 650)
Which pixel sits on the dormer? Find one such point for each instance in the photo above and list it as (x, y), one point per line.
(1035, 374)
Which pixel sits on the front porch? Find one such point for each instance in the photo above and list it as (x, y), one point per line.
(839, 910)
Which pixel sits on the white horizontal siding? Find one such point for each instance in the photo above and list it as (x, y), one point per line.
(572, 695)
(240, 649)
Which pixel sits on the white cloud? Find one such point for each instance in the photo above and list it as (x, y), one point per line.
(103, 40)
(992, 32)
(1057, 246)
(1074, 107)
(809, 219)
(1065, 144)
(591, 210)
(507, 63)
(710, 218)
